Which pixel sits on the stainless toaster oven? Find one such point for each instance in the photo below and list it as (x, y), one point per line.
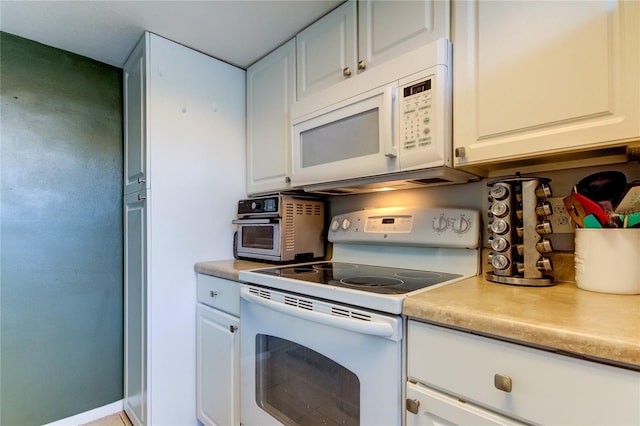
(280, 228)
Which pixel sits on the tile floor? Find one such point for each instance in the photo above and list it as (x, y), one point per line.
(118, 419)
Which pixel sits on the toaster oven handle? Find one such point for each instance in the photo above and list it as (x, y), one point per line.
(252, 221)
(375, 328)
(387, 119)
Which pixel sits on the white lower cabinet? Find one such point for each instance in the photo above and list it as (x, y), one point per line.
(461, 378)
(217, 352)
(428, 407)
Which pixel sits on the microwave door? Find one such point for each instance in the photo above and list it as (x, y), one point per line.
(351, 139)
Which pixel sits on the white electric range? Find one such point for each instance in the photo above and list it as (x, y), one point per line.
(322, 342)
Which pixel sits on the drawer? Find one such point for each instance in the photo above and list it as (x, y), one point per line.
(219, 293)
(430, 407)
(546, 388)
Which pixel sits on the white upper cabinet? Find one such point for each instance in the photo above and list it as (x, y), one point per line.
(539, 78)
(270, 92)
(326, 50)
(361, 34)
(135, 159)
(387, 29)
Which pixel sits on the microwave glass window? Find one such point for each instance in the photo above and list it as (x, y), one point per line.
(300, 386)
(352, 137)
(257, 237)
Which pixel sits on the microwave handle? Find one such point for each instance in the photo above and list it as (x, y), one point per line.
(387, 119)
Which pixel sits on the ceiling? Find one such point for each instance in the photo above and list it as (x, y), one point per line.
(236, 31)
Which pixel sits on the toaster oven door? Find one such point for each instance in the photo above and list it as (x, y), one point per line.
(259, 239)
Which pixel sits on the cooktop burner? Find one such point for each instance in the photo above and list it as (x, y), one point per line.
(375, 279)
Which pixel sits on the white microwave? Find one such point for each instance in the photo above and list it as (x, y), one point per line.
(390, 123)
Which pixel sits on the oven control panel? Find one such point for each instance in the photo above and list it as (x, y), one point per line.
(428, 227)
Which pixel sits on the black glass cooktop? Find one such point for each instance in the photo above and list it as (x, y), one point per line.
(374, 279)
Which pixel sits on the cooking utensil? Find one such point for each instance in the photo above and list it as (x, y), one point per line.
(605, 188)
(630, 202)
(580, 207)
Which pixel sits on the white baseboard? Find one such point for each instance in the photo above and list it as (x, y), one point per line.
(91, 415)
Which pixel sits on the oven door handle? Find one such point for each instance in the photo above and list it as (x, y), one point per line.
(374, 328)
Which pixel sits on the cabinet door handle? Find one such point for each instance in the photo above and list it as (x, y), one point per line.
(502, 382)
(413, 405)
(233, 328)
(346, 71)
(141, 180)
(362, 65)
(213, 293)
(141, 197)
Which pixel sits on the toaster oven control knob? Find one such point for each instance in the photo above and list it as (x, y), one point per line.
(335, 225)
(255, 205)
(346, 224)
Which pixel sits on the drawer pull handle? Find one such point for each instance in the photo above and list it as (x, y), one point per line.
(413, 405)
(502, 382)
(213, 293)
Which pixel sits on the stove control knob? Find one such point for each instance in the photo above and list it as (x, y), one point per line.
(440, 223)
(346, 224)
(335, 225)
(461, 225)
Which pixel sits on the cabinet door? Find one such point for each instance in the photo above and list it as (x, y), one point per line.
(270, 92)
(134, 83)
(387, 29)
(326, 51)
(135, 307)
(533, 385)
(217, 364)
(533, 78)
(427, 407)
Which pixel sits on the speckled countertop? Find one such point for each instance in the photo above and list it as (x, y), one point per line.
(228, 269)
(562, 317)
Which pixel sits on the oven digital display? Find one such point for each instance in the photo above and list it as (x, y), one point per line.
(389, 225)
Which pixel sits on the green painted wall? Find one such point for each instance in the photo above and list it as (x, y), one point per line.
(61, 292)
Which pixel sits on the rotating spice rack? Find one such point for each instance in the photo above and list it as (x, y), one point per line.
(518, 228)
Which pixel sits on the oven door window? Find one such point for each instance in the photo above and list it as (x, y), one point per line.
(258, 237)
(299, 386)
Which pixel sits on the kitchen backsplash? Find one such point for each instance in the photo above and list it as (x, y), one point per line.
(474, 195)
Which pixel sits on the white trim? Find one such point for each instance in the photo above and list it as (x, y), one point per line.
(91, 415)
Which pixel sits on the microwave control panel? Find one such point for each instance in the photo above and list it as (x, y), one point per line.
(416, 125)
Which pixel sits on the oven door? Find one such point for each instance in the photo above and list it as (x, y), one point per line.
(259, 238)
(304, 361)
